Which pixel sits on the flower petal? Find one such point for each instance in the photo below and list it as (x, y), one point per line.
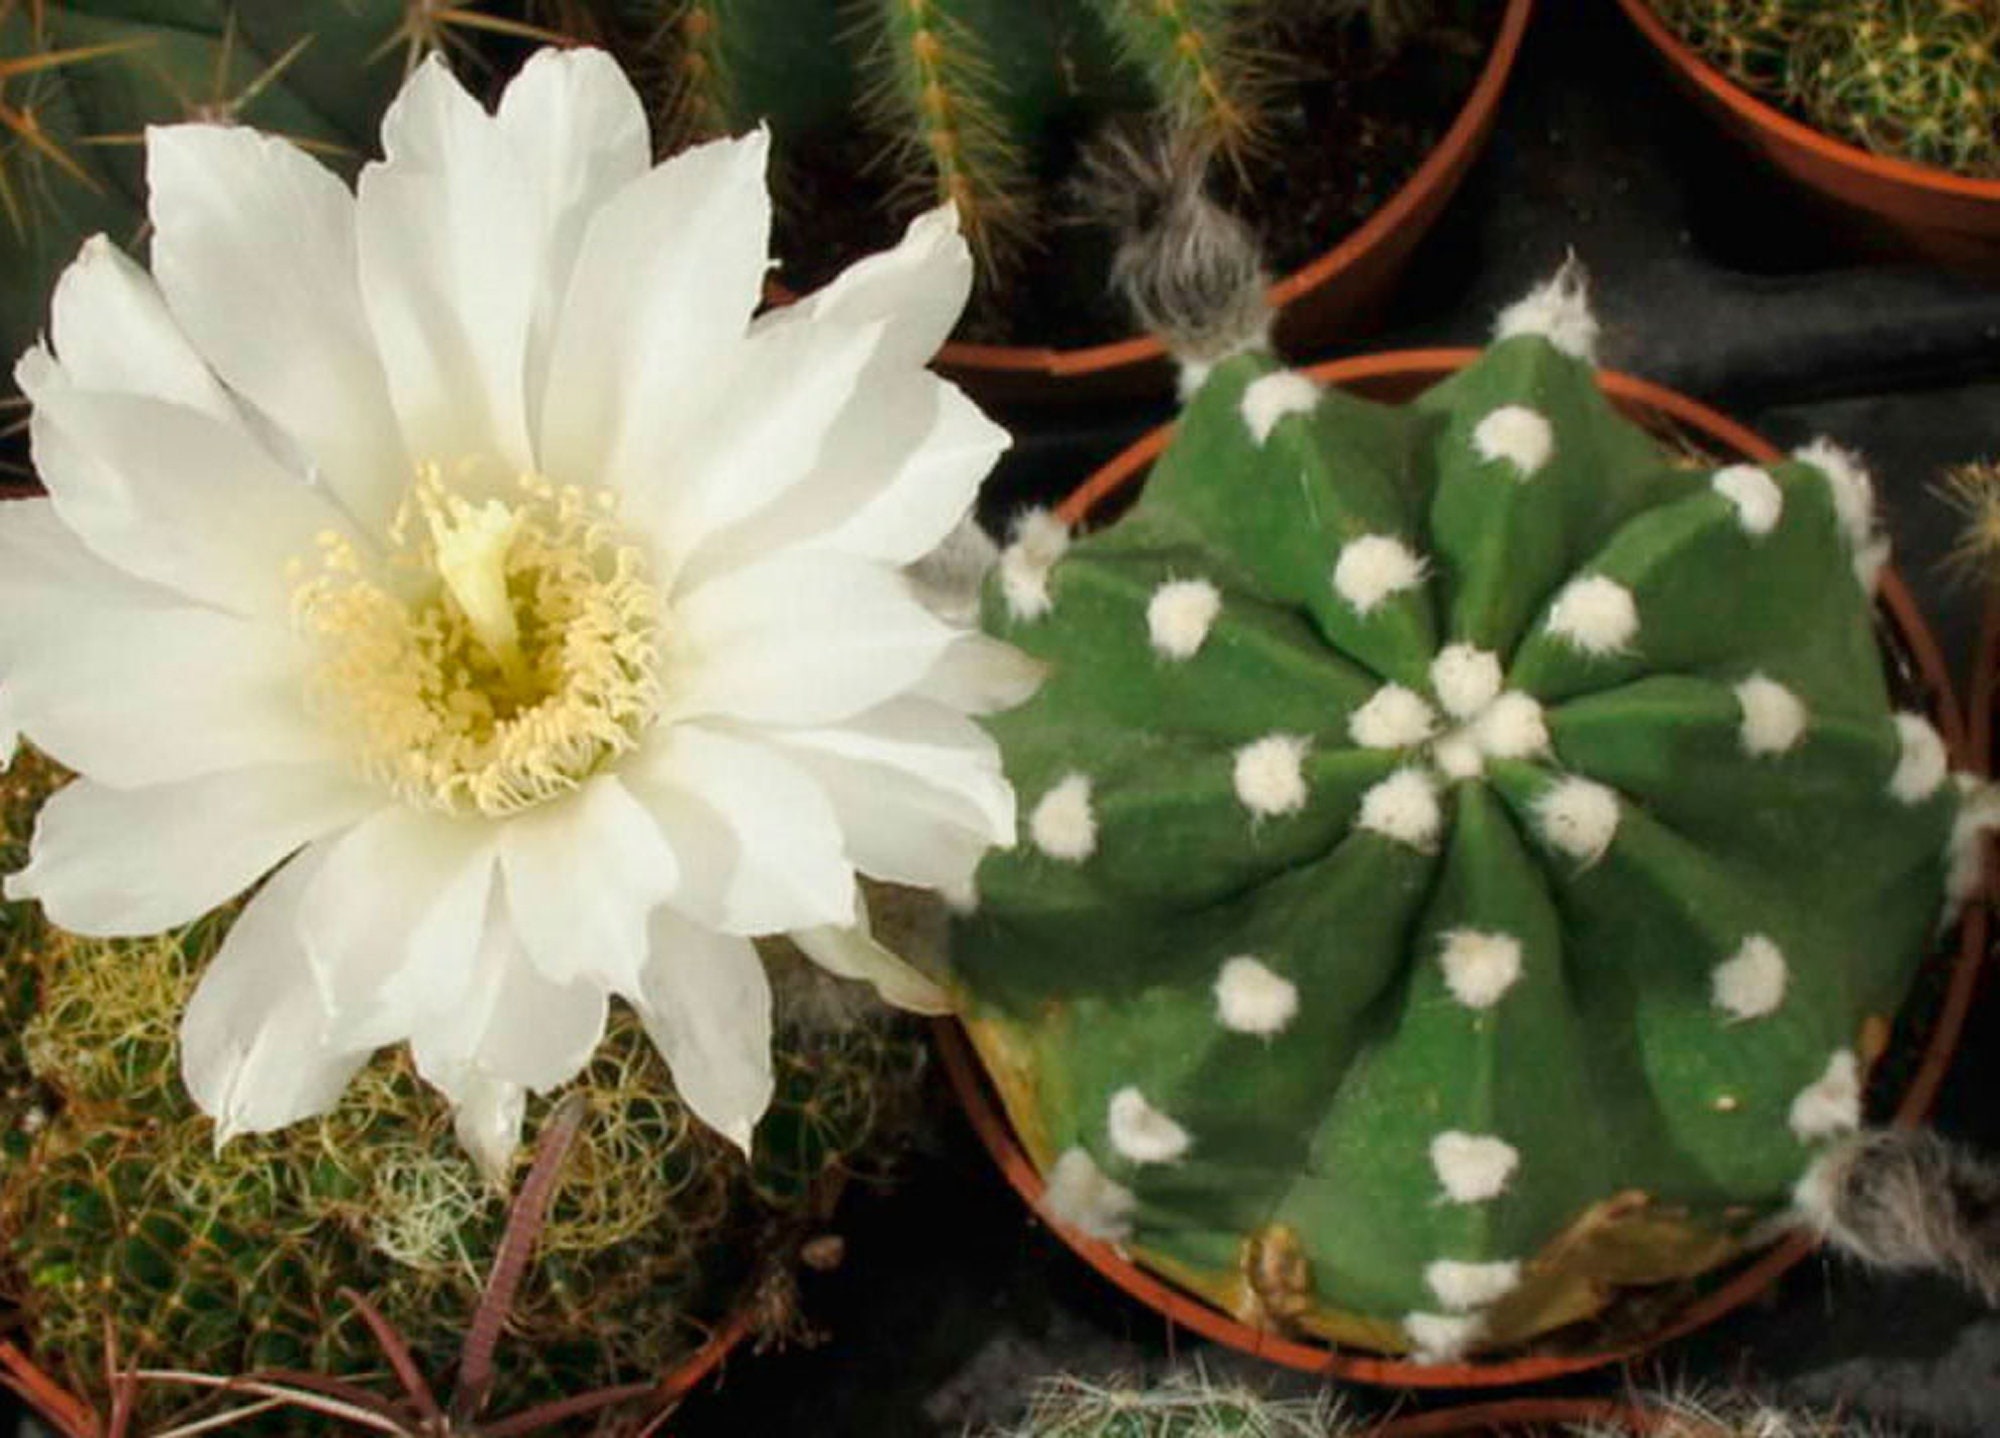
(449, 235)
(803, 639)
(112, 331)
(254, 247)
(196, 693)
(113, 862)
(671, 269)
(394, 919)
(582, 874)
(759, 848)
(918, 790)
(178, 497)
(511, 1023)
(707, 1007)
(46, 573)
(253, 1051)
(854, 954)
(981, 675)
(918, 288)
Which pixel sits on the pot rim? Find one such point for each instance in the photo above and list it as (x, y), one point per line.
(989, 1120)
(1763, 115)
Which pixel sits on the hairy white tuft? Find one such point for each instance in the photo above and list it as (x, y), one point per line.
(1831, 1103)
(1473, 1167)
(1039, 541)
(1512, 727)
(1558, 309)
(1579, 817)
(1595, 614)
(1458, 755)
(1479, 966)
(1373, 567)
(1773, 716)
(1869, 562)
(1923, 765)
(1251, 999)
(1521, 436)
(1466, 679)
(1269, 776)
(1848, 480)
(1141, 1132)
(1751, 983)
(1179, 616)
(1442, 1337)
(1063, 825)
(1977, 820)
(1403, 807)
(1461, 1286)
(1393, 718)
(1758, 500)
(1080, 1196)
(1271, 397)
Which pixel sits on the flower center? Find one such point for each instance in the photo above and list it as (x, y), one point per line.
(502, 651)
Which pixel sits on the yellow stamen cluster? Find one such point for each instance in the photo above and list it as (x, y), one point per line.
(500, 654)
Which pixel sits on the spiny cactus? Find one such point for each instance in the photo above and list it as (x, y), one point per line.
(972, 101)
(1469, 855)
(1186, 1405)
(80, 80)
(1918, 79)
(120, 1217)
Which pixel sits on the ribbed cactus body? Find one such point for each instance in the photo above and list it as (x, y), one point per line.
(80, 80)
(1464, 851)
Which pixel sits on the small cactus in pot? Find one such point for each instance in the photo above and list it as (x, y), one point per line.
(1469, 858)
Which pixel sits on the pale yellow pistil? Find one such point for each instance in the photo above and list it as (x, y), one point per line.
(497, 656)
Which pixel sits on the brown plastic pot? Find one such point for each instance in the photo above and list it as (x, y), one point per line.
(1343, 289)
(1887, 205)
(1394, 377)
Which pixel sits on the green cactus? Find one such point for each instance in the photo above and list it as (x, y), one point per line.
(81, 79)
(1186, 1405)
(1468, 855)
(119, 1217)
(1915, 79)
(973, 101)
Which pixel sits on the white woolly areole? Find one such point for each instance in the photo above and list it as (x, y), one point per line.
(1848, 480)
(1751, 983)
(1473, 1167)
(1831, 1103)
(1442, 1337)
(1372, 568)
(1521, 436)
(1063, 825)
(1977, 819)
(1393, 718)
(1923, 766)
(1465, 679)
(1869, 562)
(1579, 817)
(1512, 727)
(1269, 778)
(1039, 541)
(1079, 1196)
(1595, 614)
(1773, 716)
(1758, 500)
(1179, 616)
(1558, 309)
(1458, 756)
(1251, 999)
(1480, 966)
(1461, 1286)
(1141, 1132)
(1403, 807)
(1269, 399)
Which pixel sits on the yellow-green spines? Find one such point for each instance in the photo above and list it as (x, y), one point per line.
(115, 1204)
(1464, 849)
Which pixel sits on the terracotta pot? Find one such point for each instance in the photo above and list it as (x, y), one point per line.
(1342, 289)
(1394, 377)
(68, 1416)
(1889, 205)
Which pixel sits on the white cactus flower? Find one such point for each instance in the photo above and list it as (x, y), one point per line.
(466, 560)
